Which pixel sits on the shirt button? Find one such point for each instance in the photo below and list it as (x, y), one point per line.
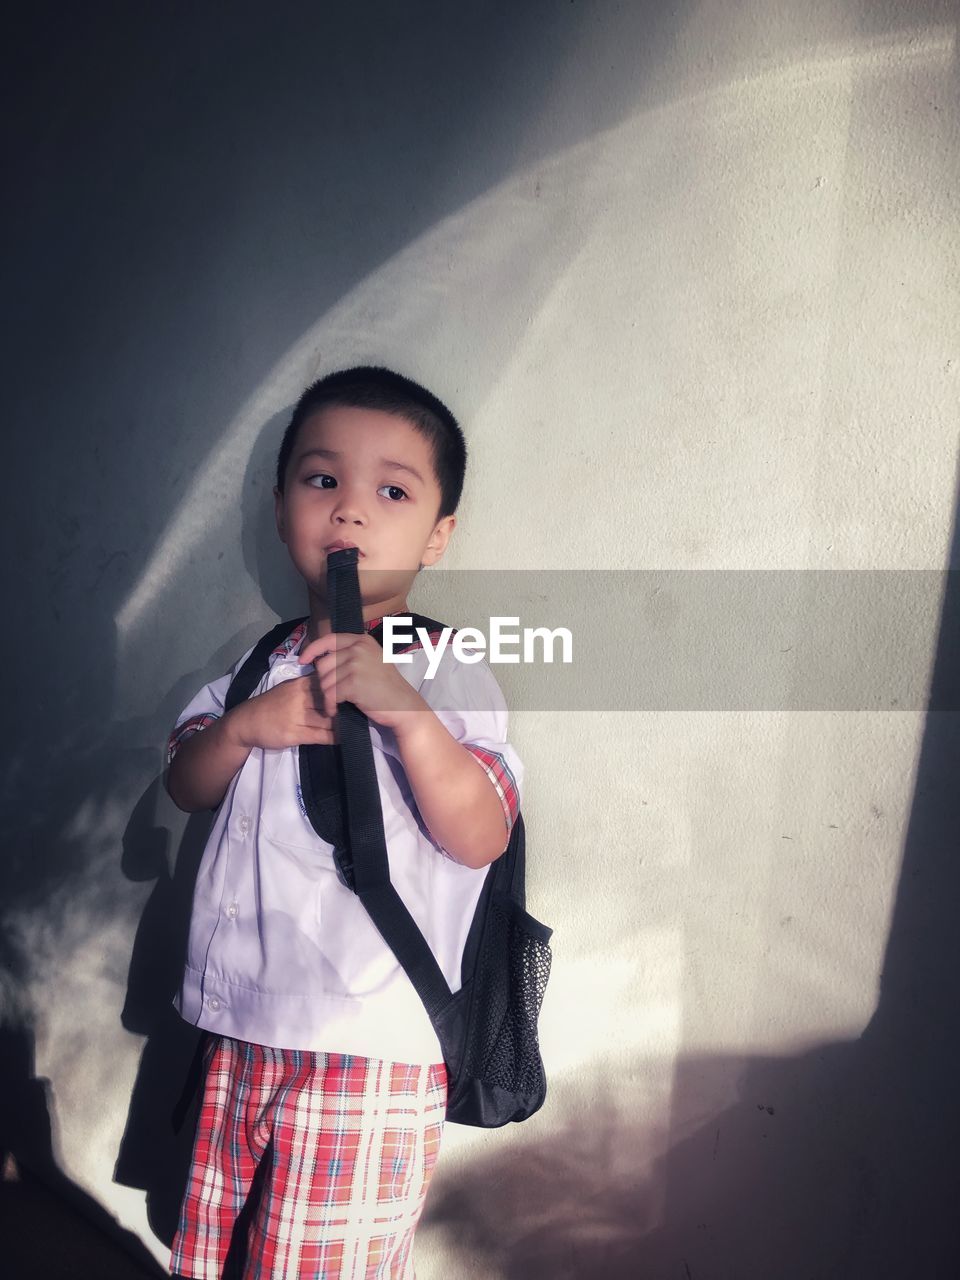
(233, 911)
(244, 825)
(214, 1004)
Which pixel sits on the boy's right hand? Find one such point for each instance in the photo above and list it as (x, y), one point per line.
(285, 716)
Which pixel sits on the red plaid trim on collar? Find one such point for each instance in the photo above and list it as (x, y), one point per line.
(292, 641)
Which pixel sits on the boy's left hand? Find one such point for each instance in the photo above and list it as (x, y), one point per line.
(351, 669)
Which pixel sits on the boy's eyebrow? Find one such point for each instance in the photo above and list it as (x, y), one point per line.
(402, 466)
(334, 455)
(318, 453)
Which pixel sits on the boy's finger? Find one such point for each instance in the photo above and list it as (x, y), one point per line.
(316, 649)
(314, 693)
(328, 693)
(317, 724)
(336, 641)
(318, 703)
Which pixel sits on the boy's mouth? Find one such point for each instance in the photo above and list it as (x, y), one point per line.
(340, 545)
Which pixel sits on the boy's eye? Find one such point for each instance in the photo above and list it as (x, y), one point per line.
(393, 490)
(318, 480)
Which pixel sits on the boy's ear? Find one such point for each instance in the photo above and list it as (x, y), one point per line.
(438, 541)
(278, 513)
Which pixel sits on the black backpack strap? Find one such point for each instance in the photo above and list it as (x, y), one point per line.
(321, 777)
(368, 848)
(251, 673)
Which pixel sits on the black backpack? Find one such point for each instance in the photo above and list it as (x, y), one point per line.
(488, 1028)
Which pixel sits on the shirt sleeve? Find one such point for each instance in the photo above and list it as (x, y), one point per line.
(204, 709)
(467, 699)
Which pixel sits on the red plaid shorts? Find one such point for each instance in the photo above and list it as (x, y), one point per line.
(350, 1144)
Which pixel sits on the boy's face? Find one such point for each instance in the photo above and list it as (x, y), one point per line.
(366, 478)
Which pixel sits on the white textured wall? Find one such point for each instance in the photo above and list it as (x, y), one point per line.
(689, 274)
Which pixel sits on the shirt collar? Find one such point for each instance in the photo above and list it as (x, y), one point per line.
(295, 638)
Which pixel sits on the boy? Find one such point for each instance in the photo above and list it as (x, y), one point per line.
(325, 1073)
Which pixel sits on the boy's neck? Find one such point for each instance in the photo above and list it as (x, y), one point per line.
(319, 624)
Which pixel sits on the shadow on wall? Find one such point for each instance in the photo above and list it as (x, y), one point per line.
(829, 1165)
(154, 1154)
(50, 1228)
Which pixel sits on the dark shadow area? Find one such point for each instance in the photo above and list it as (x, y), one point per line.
(51, 1229)
(264, 555)
(236, 1259)
(155, 1152)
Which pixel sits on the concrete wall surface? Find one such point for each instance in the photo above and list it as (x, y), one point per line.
(688, 273)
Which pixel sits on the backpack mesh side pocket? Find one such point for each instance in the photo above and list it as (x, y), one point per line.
(502, 1048)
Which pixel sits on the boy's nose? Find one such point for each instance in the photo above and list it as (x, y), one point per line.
(349, 511)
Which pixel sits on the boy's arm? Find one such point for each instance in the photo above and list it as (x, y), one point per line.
(205, 764)
(456, 800)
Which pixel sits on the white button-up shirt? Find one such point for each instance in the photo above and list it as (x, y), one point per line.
(280, 951)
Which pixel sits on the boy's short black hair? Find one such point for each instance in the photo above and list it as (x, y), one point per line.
(373, 387)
